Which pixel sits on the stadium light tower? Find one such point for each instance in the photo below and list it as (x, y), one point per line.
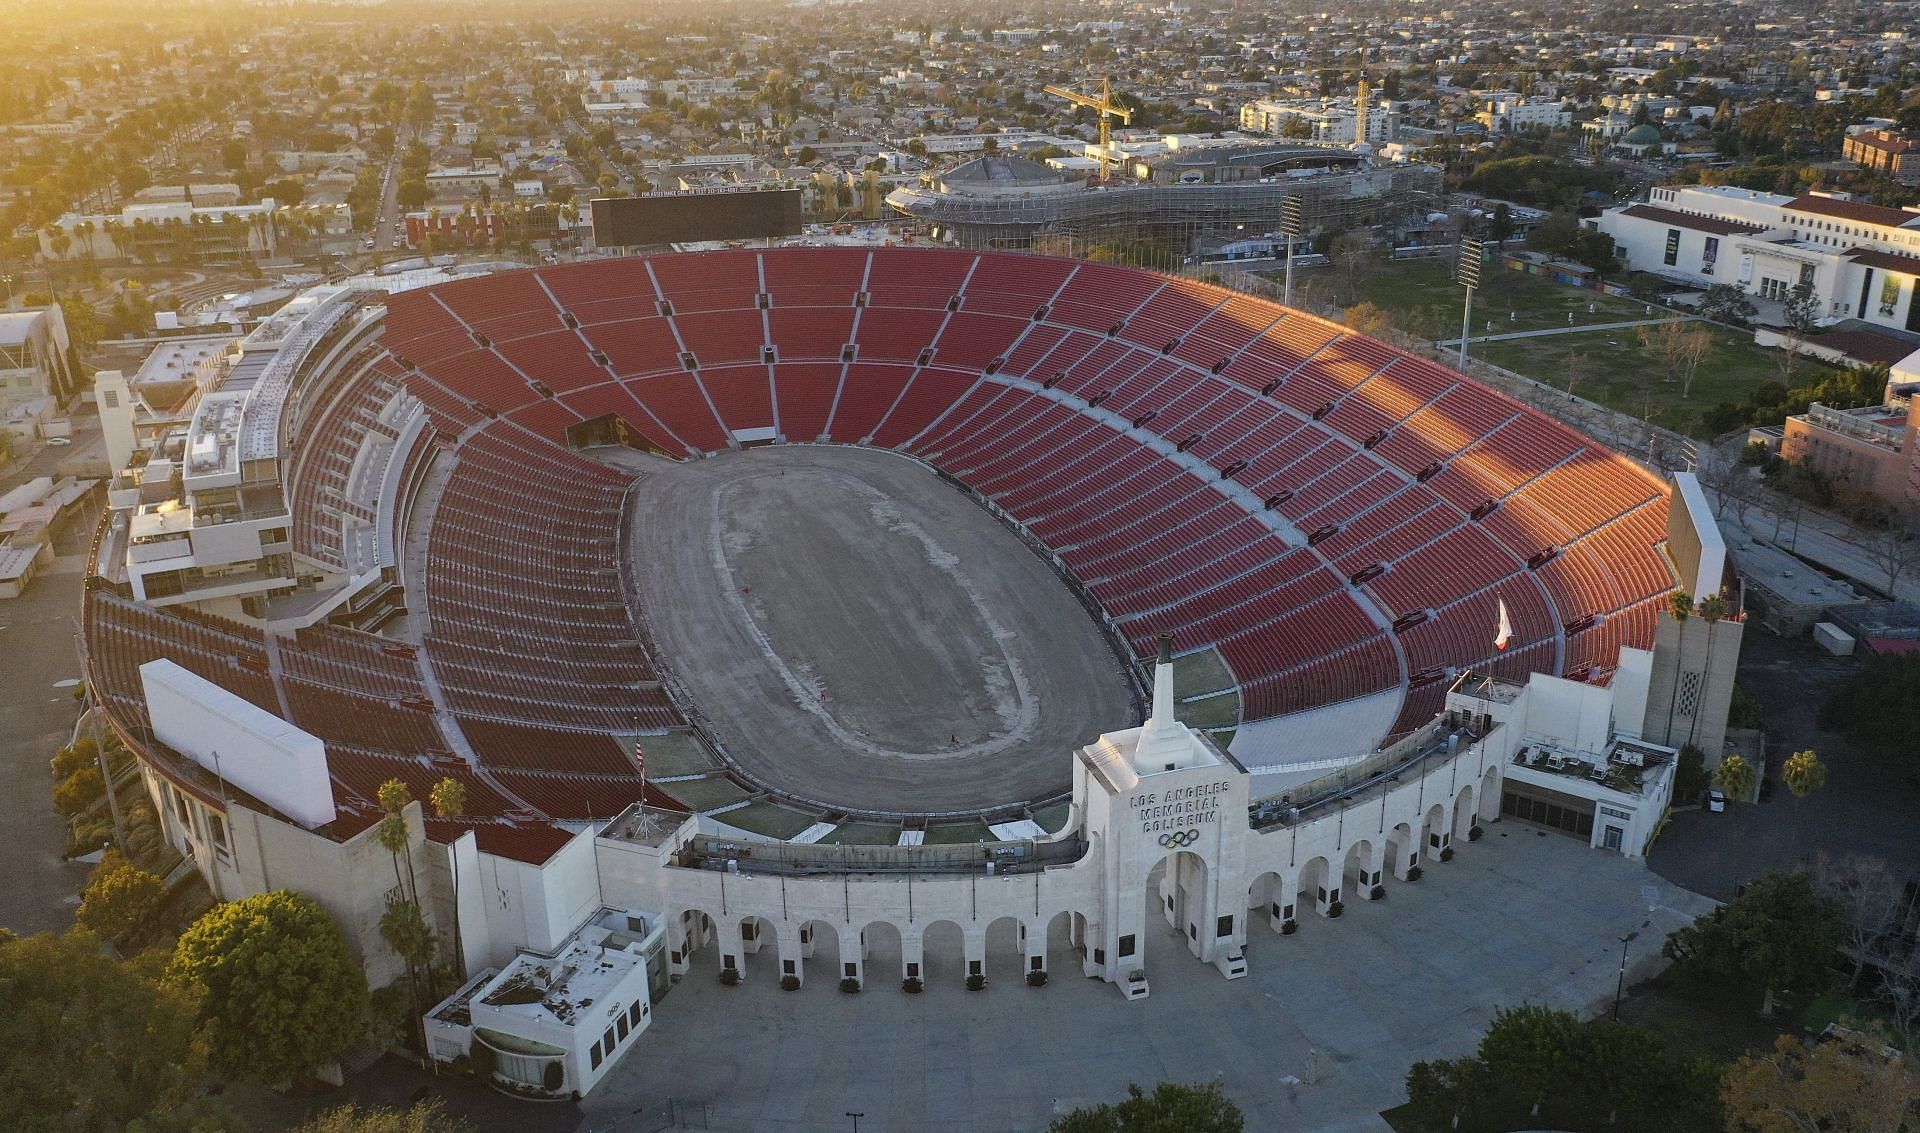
(1292, 220)
(1467, 272)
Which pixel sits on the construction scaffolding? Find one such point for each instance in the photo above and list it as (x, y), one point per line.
(1190, 219)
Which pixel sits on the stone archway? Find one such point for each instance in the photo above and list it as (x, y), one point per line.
(1463, 814)
(1318, 885)
(691, 935)
(820, 951)
(1005, 954)
(1065, 948)
(759, 949)
(1177, 891)
(1360, 870)
(882, 953)
(1436, 836)
(1403, 851)
(1268, 900)
(1490, 795)
(943, 955)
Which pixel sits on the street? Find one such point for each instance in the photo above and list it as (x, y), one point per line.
(1866, 808)
(39, 671)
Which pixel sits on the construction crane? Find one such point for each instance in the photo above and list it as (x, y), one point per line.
(1106, 108)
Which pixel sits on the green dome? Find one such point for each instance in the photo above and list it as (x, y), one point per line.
(1645, 134)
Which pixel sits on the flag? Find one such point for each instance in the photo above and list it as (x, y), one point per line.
(640, 763)
(1504, 635)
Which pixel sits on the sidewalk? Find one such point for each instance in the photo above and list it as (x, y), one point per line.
(1582, 328)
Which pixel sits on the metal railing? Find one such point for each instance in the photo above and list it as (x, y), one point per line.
(791, 859)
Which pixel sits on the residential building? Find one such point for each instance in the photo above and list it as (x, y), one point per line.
(1891, 153)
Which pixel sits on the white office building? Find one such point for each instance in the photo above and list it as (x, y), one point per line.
(1861, 260)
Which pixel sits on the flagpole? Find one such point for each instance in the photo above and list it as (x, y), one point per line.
(640, 760)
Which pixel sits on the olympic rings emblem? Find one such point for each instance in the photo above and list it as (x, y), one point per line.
(1180, 838)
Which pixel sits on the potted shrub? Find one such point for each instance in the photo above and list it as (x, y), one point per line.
(1335, 909)
(1289, 926)
(1037, 978)
(976, 981)
(730, 976)
(911, 985)
(789, 983)
(849, 985)
(1446, 855)
(1413, 874)
(1380, 891)
(1473, 832)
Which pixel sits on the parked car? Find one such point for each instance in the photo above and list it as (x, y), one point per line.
(59, 442)
(1716, 801)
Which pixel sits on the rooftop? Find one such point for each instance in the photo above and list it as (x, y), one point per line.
(559, 987)
(1859, 212)
(1712, 224)
(15, 326)
(1622, 767)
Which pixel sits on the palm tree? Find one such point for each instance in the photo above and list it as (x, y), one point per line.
(1712, 608)
(449, 798)
(1734, 777)
(1804, 774)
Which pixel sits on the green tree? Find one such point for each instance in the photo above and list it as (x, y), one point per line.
(1538, 1068)
(1777, 933)
(424, 1117)
(1170, 1108)
(121, 900)
(79, 791)
(1876, 706)
(93, 1044)
(449, 799)
(1500, 224)
(412, 194)
(1804, 773)
(280, 994)
(1734, 777)
(1689, 774)
(1726, 303)
(1802, 309)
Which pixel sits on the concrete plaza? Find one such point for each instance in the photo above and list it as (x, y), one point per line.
(1318, 1036)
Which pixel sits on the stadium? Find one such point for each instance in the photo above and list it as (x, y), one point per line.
(868, 553)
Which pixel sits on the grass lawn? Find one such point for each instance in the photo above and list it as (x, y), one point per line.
(1424, 300)
(958, 833)
(1197, 673)
(1611, 367)
(675, 753)
(863, 834)
(1052, 818)
(705, 794)
(1706, 1019)
(1846, 1011)
(771, 819)
(1213, 712)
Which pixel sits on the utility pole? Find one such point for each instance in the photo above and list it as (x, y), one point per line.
(1291, 222)
(1467, 272)
(93, 709)
(1620, 987)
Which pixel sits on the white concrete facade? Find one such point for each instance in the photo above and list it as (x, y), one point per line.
(1158, 806)
(1861, 261)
